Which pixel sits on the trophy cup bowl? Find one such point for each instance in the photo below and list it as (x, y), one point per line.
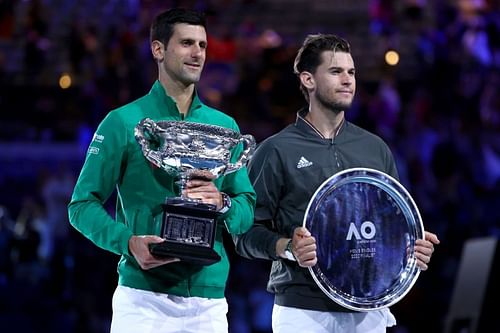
(187, 150)
(365, 224)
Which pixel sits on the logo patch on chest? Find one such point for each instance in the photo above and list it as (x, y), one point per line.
(303, 162)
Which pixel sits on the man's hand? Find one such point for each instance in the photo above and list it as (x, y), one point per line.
(424, 249)
(304, 247)
(204, 190)
(138, 246)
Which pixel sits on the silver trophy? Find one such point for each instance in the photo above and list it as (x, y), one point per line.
(365, 224)
(186, 150)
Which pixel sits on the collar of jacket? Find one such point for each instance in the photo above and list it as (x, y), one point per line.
(304, 125)
(161, 95)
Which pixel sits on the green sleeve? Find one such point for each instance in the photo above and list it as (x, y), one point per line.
(237, 185)
(97, 181)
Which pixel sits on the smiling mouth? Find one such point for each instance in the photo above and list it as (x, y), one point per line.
(193, 65)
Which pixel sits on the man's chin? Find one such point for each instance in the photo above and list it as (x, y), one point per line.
(339, 107)
(343, 105)
(191, 80)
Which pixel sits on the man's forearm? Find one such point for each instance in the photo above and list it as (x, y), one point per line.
(257, 243)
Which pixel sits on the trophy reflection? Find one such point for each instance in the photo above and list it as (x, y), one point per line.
(185, 151)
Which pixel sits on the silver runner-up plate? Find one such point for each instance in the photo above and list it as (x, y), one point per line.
(365, 224)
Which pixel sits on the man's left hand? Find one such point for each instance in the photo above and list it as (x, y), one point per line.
(204, 190)
(424, 249)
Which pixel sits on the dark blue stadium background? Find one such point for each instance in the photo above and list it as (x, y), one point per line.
(438, 109)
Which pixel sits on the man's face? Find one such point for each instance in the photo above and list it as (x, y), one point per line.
(335, 82)
(185, 53)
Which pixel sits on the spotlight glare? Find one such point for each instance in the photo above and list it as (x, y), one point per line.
(392, 58)
(65, 81)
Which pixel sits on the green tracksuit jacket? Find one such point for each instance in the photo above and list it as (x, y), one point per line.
(115, 161)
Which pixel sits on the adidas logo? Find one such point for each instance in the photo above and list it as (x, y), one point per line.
(303, 163)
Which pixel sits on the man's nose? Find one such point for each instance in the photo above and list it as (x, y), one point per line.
(196, 51)
(346, 79)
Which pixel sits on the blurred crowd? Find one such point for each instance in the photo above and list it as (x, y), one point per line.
(438, 109)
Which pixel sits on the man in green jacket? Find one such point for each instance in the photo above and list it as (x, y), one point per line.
(160, 294)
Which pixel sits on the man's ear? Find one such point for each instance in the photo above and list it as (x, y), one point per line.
(158, 50)
(307, 80)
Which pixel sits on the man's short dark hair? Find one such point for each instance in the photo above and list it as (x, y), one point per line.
(309, 55)
(162, 27)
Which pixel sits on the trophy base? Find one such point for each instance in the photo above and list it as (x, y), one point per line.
(197, 255)
(188, 228)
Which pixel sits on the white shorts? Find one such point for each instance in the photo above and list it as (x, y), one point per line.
(136, 310)
(288, 319)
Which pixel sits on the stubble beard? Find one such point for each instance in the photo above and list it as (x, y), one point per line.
(332, 105)
(189, 78)
(185, 76)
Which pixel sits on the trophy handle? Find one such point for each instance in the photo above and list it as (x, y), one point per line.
(145, 130)
(248, 150)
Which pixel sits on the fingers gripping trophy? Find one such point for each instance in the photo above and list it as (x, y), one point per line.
(187, 150)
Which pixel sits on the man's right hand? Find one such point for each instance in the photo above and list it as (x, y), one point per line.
(304, 247)
(139, 248)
